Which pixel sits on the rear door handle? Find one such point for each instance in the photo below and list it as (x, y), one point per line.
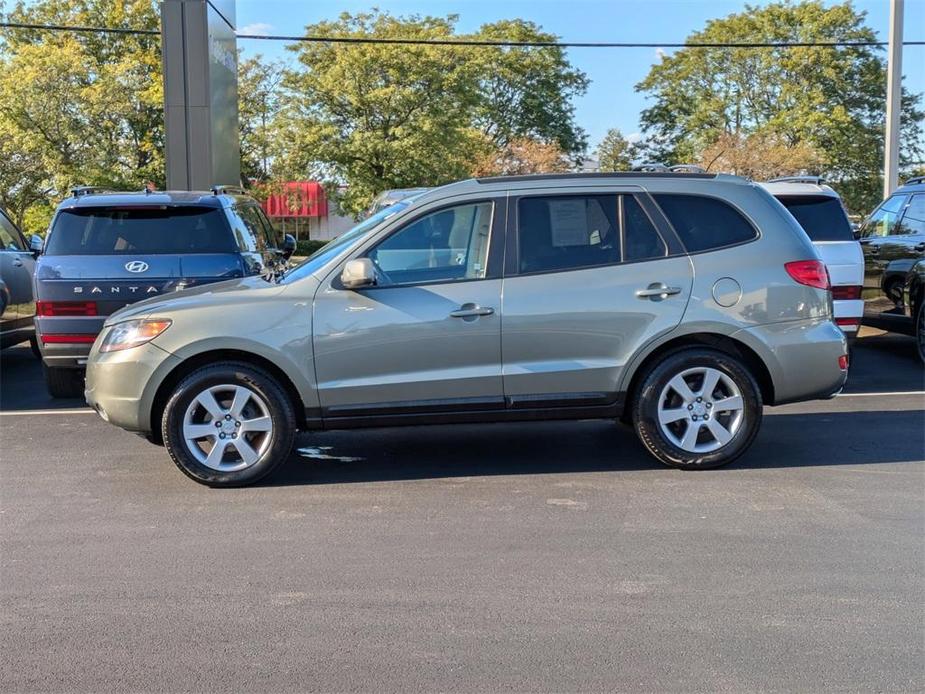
(471, 311)
(657, 291)
(17, 262)
(920, 246)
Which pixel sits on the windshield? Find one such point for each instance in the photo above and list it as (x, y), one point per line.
(320, 257)
(139, 231)
(822, 216)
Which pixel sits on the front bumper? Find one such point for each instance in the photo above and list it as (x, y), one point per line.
(121, 385)
(802, 357)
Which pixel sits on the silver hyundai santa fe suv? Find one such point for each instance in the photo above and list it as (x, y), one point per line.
(681, 303)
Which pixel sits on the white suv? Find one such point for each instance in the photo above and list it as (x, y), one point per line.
(820, 212)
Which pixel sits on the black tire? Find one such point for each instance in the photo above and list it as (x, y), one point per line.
(645, 409)
(279, 409)
(920, 329)
(34, 346)
(64, 383)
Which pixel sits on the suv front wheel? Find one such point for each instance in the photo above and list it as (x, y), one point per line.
(697, 409)
(228, 424)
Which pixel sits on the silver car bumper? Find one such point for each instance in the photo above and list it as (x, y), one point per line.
(121, 385)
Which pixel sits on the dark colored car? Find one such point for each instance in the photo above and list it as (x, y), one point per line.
(893, 239)
(105, 250)
(17, 263)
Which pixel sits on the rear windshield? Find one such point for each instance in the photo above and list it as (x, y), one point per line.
(822, 217)
(135, 231)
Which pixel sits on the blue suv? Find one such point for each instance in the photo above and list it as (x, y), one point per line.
(105, 250)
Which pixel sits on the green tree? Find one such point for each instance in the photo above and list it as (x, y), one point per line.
(615, 152)
(84, 107)
(379, 116)
(831, 100)
(260, 99)
(526, 93)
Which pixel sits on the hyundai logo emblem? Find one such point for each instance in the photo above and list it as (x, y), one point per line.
(136, 266)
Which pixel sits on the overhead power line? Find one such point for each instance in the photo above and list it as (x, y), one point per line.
(473, 42)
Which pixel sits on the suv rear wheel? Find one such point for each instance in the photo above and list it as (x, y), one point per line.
(64, 383)
(698, 408)
(228, 425)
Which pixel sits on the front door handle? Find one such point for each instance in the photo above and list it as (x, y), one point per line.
(657, 291)
(471, 311)
(920, 246)
(17, 262)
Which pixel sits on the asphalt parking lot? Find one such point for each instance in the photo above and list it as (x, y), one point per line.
(553, 556)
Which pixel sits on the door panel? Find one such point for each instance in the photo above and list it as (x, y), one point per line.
(427, 337)
(573, 332)
(394, 348)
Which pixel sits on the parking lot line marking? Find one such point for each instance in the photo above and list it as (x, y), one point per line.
(25, 413)
(881, 395)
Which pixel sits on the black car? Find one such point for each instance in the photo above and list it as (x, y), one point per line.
(893, 239)
(17, 263)
(106, 249)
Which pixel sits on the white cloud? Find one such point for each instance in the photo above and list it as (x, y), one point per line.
(634, 137)
(660, 53)
(258, 28)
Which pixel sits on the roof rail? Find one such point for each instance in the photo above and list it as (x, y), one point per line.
(77, 191)
(651, 166)
(223, 190)
(814, 180)
(687, 168)
(914, 180)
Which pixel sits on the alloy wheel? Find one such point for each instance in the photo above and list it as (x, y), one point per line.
(700, 410)
(227, 427)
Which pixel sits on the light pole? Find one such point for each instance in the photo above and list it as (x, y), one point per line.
(894, 89)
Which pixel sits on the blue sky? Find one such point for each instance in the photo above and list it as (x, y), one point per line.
(610, 100)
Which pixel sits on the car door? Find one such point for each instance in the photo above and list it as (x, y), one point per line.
(594, 276)
(427, 338)
(17, 267)
(878, 240)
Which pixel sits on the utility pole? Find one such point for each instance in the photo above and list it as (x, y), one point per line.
(894, 89)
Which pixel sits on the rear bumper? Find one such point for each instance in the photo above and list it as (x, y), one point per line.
(64, 354)
(121, 385)
(802, 358)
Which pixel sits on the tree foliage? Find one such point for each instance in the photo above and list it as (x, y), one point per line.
(615, 152)
(79, 108)
(260, 99)
(828, 100)
(521, 156)
(376, 116)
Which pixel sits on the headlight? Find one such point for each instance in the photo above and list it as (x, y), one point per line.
(132, 333)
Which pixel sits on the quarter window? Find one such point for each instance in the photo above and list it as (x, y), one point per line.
(704, 223)
(445, 246)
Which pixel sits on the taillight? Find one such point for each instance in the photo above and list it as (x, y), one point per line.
(843, 362)
(848, 322)
(846, 292)
(65, 308)
(811, 273)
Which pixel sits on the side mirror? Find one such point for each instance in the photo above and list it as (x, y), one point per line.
(357, 273)
(35, 245)
(288, 246)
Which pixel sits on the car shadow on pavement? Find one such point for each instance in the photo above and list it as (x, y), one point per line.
(884, 363)
(22, 383)
(397, 454)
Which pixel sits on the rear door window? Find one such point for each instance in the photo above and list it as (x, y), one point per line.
(913, 221)
(822, 216)
(140, 230)
(10, 240)
(704, 223)
(640, 239)
(566, 233)
(884, 218)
